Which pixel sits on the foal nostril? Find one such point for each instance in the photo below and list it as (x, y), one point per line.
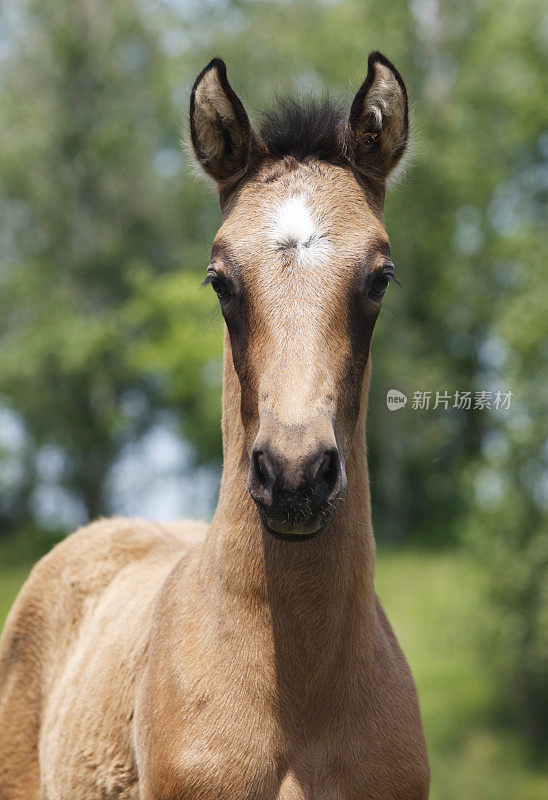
(262, 477)
(292, 492)
(327, 474)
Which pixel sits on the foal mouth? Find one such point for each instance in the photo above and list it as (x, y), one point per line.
(299, 532)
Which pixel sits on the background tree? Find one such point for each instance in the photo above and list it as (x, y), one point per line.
(89, 214)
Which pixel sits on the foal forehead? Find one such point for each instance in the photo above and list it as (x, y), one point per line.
(311, 214)
(292, 224)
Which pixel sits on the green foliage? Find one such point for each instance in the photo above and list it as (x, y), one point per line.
(509, 530)
(177, 344)
(84, 197)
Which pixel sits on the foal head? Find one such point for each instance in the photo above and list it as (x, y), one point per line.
(300, 265)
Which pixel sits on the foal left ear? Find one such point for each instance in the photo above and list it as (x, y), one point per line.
(222, 136)
(377, 126)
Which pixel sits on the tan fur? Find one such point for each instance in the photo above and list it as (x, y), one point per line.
(212, 104)
(155, 662)
(385, 103)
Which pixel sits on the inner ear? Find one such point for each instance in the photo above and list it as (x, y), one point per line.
(378, 123)
(222, 136)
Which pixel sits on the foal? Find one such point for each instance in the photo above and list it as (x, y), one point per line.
(251, 661)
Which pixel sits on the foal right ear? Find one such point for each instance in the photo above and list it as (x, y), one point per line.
(378, 125)
(221, 132)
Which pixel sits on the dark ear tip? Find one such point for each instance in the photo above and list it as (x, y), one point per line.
(215, 63)
(376, 57)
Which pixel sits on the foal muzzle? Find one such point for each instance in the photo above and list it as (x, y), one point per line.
(296, 498)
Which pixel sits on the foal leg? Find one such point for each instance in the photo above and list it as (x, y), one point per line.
(19, 725)
(21, 657)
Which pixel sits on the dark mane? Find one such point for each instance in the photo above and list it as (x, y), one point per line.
(304, 128)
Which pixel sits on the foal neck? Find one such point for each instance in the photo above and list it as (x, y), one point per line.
(328, 574)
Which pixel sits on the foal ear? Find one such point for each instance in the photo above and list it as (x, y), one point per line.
(377, 126)
(222, 136)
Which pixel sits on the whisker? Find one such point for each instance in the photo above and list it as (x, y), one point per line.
(210, 317)
(391, 312)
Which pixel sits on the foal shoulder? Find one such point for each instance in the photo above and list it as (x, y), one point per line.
(65, 585)
(98, 551)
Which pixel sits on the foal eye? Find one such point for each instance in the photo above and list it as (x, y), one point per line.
(219, 287)
(380, 280)
(378, 285)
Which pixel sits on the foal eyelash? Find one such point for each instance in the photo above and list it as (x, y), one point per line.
(207, 280)
(388, 271)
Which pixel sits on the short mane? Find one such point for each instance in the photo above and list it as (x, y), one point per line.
(309, 128)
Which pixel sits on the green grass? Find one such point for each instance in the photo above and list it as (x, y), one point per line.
(432, 601)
